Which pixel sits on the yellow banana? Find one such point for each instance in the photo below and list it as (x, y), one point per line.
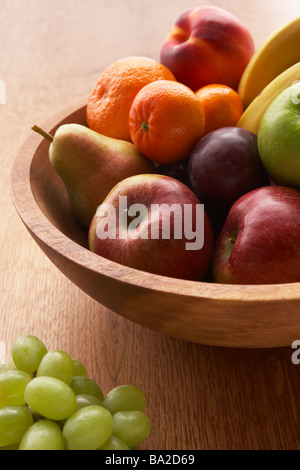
(278, 52)
(251, 118)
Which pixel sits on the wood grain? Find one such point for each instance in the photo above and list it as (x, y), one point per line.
(199, 397)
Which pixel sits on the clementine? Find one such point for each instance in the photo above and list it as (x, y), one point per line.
(165, 121)
(111, 97)
(222, 105)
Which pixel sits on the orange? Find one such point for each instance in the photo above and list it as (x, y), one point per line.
(111, 97)
(165, 121)
(222, 106)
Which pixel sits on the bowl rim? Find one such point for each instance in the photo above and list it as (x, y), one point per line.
(20, 190)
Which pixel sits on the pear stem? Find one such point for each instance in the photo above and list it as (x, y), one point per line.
(42, 132)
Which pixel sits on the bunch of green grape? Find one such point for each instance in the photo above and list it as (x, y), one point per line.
(47, 402)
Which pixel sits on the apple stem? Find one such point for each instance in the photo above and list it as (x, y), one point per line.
(42, 133)
(232, 240)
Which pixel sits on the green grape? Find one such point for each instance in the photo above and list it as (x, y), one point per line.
(81, 402)
(79, 369)
(56, 364)
(87, 386)
(125, 398)
(132, 427)
(27, 352)
(114, 443)
(43, 435)
(88, 428)
(8, 365)
(50, 397)
(87, 400)
(12, 386)
(14, 422)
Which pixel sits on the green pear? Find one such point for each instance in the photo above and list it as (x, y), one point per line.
(91, 164)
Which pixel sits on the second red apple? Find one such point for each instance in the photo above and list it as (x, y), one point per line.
(260, 240)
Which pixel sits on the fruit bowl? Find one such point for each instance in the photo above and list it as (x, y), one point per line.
(248, 316)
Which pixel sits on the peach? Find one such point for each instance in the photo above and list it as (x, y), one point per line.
(208, 45)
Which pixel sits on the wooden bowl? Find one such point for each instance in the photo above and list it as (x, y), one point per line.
(207, 313)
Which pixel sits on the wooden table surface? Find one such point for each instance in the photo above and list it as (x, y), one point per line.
(199, 397)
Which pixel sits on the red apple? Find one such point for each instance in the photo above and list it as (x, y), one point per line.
(156, 224)
(260, 240)
(207, 45)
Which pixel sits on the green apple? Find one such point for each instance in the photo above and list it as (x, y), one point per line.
(278, 138)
